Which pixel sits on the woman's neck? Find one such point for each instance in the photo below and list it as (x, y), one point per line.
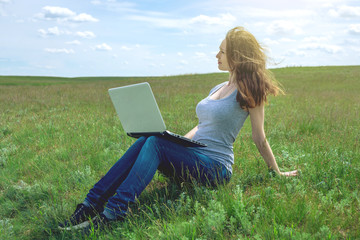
(232, 80)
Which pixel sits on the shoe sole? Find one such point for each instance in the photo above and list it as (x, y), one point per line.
(75, 227)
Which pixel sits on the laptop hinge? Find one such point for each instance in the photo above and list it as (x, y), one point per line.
(145, 134)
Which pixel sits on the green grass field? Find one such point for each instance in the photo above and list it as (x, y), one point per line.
(58, 136)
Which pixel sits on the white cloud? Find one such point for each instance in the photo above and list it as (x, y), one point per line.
(208, 22)
(268, 41)
(201, 23)
(2, 11)
(328, 48)
(287, 40)
(59, 50)
(85, 34)
(281, 27)
(180, 54)
(96, 2)
(354, 29)
(126, 48)
(63, 15)
(184, 62)
(117, 6)
(45, 66)
(295, 52)
(269, 13)
(199, 45)
(353, 41)
(345, 12)
(83, 17)
(355, 49)
(317, 39)
(103, 47)
(50, 13)
(200, 55)
(222, 19)
(75, 42)
(156, 65)
(54, 31)
(159, 22)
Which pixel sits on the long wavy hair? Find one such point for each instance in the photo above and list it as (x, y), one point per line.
(247, 63)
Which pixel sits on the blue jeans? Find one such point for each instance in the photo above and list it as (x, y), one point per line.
(135, 169)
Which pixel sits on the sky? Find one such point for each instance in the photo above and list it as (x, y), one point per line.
(161, 37)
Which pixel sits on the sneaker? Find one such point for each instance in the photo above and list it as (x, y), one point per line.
(80, 218)
(100, 222)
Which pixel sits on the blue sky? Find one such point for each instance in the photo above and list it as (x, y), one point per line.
(157, 38)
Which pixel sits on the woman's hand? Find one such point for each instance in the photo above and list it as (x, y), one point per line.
(258, 135)
(192, 132)
(289, 174)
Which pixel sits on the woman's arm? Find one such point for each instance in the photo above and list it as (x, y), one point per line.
(258, 135)
(191, 133)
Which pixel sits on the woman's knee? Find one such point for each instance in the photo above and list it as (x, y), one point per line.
(152, 140)
(142, 139)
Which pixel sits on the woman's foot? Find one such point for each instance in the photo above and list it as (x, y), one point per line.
(99, 223)
(80, 218)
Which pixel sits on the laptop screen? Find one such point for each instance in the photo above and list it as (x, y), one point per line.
(137, 108)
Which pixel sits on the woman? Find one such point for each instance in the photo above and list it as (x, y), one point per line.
(221, 116)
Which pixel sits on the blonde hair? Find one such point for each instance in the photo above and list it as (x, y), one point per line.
(247, 63)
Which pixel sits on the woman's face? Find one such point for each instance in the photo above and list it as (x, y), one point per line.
(221, 56)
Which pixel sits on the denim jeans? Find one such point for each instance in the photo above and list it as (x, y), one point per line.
(130, 175)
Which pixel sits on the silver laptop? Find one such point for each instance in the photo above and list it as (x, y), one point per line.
(140, 115)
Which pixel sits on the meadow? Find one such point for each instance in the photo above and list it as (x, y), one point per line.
(58, 136)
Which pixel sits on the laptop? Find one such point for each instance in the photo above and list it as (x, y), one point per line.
(139, 114)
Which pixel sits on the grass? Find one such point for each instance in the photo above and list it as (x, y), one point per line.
(58, 136)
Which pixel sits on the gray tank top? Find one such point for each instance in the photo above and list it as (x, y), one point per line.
(220, 122)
